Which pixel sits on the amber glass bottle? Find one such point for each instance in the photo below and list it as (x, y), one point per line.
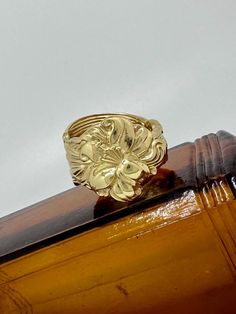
(170, 251)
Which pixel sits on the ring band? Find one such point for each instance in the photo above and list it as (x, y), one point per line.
(113, 154)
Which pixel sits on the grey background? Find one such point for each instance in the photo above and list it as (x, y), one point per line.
(61, 59)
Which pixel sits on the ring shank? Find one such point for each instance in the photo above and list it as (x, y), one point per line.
(79, 126)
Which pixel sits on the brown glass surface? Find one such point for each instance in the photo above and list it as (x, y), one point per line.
(170, 251)
(189, 165)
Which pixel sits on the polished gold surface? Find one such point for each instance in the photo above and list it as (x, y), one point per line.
(113, 154)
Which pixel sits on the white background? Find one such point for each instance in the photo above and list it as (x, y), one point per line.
(62, 59)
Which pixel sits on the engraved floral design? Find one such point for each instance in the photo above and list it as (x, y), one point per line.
(114, 157)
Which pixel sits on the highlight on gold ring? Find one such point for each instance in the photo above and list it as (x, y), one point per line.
(113, 154)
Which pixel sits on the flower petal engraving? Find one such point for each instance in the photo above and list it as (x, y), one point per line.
(143, 141)
(121, 132)
(102, 176)
(114, 156)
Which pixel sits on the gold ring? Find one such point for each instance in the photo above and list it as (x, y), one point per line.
(114, 154)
